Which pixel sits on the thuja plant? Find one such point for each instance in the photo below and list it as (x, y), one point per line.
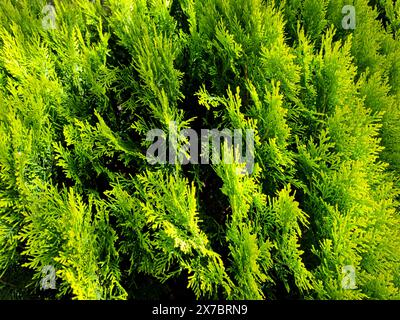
(104, 190)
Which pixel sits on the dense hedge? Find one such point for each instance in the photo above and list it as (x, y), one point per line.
(79, 93)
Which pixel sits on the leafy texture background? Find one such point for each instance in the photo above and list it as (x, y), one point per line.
(77, 193)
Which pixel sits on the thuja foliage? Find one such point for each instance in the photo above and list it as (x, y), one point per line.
(78, 194)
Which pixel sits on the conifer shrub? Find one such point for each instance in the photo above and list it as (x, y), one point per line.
(84, 214)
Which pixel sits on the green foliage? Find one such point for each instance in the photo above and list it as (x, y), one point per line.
(78, 194)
